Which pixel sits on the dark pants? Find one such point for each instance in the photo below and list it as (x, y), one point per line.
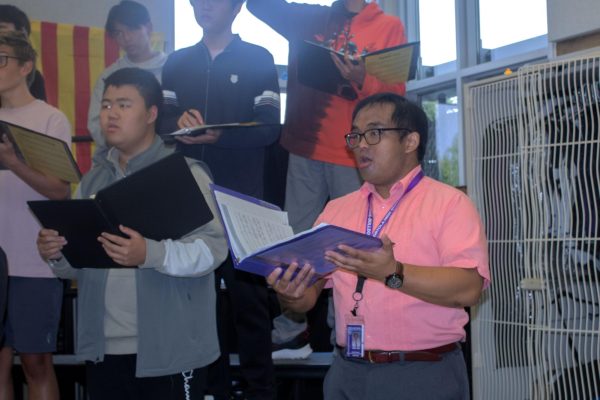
(114, 379)
(248, 297)
(403, 380)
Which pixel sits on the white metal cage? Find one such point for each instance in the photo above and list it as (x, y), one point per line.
(533, 169)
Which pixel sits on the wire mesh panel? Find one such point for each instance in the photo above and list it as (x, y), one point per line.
(499, 323)
(561, 158)
(533, 148)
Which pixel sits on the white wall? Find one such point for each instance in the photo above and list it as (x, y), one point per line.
(94, 12)
(571, 18)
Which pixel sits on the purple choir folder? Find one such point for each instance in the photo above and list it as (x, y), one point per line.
(260, 238)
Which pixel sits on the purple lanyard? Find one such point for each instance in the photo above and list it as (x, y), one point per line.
(360, 282)
(386, 217)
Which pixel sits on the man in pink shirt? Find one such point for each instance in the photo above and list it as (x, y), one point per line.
(402, 306)
(34, 294)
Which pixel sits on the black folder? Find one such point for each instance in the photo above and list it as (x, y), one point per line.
(160, 201)
(317, 70)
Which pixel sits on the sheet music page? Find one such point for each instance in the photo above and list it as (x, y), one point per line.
(390, 67)
(45, 154)
(251, 226)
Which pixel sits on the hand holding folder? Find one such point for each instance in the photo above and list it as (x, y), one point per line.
(160, 201)
(260, 238)
(43, 153)
(317, 69)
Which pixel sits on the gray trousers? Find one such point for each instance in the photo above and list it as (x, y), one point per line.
(310, 183)
(404, 380)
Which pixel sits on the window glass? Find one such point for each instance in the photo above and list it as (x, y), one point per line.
(444, 148)
(511, 27)
(250, 28)
(437, 33)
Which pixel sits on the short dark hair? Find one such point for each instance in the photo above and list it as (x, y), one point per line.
(129, 13)
(14, 15)
(144, 81)
(406, 114)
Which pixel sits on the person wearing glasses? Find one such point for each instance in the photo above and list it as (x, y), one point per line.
(34, 293)
(399, 310)
(320, 168)
(13, 18)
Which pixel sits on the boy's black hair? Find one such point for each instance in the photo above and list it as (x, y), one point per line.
(129, 13)
(406, 115)
(14, 15)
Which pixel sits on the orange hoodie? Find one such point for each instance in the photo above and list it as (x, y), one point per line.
(316, 122)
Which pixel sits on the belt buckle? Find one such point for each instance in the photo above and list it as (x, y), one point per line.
(370, 356)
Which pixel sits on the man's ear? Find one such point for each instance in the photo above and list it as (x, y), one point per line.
(152, 115)
(412, 141)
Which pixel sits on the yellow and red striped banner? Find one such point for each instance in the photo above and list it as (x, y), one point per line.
(71, 58)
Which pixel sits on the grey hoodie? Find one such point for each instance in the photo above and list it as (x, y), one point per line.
(176, 321)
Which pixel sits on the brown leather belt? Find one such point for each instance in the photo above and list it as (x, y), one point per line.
(382, 357)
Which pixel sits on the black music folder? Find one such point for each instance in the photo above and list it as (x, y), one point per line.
(317, 70)
(160, 201)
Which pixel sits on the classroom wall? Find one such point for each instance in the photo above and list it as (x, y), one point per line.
(94, 12)
(570, 18)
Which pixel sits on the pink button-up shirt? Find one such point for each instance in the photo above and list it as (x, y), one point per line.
(434, 225)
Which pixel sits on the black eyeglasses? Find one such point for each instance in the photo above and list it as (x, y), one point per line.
(372, 136)
(4, 59)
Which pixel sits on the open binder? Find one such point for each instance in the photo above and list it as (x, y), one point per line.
(260, 238)
(317, 70)
(160, 201)
(43, 153)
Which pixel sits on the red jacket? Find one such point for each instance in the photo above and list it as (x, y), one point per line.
(316, 122)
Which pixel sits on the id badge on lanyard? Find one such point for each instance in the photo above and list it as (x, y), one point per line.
(355, 336)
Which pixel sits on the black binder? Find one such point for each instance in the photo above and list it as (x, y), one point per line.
(160, 201)
(317, 70)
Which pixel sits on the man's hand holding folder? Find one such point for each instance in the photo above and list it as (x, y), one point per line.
(110, 230)
(128, 251)
(351, 70)
(261, 240)
(190, 119)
